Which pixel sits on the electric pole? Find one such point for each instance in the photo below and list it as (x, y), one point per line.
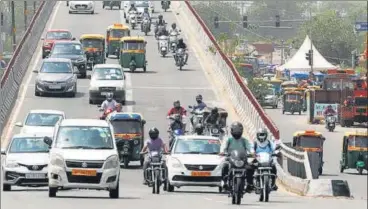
(25, 16)
(14, 32)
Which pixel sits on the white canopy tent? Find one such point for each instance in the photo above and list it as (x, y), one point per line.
(299, 63)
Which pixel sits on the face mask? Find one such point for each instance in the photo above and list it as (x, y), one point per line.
(109, 99)
(199, 101)
(236, 135)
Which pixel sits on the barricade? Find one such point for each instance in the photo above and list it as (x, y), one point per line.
(17, 67)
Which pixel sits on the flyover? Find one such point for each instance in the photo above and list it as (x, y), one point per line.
(152, 94)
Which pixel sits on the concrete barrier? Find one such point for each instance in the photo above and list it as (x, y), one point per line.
(328, 188)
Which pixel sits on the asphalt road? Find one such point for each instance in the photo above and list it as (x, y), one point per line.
(152, 94)
(288, 124)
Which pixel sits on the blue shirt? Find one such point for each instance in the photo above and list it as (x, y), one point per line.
(269, 148)
(200, 106)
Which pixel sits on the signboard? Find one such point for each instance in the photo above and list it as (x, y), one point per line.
(320, 108)
(361, 26)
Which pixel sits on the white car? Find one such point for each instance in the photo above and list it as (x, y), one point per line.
(107, 78)
(81, 7)
(194, 161)
(41, 121)
(25, 162)
(84, 155)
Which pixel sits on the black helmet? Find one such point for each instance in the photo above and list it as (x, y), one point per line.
(160, 17)
(214, 110)
(146, 9)
(199, 98)
(153, 133)
(132, 4)
(262, 135)
(173, 25)
(180, 40)
(199, 129)
(176, 104)
(236, 130)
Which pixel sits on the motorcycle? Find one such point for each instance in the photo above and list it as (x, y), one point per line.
(180, 54)
(132, 65)
(263, 174)
(360, 164)
(197, 116)
(173, 39)
(146, 26)
(156, 172)
(133, 19)
(163, 45)
(237, 174)
(165, 5)
(330, 123)
(105, 112)
(177, 128)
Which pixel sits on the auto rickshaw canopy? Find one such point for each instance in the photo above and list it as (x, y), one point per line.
(92, 36)
(117, 26)
(289, 84)
(116, 116)
(133, 38)
(352, 136)
(308, 133)
(125, 133)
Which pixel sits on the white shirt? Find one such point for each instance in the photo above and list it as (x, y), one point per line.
(108, 105)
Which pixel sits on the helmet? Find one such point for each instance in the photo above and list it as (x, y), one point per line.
(236, 130)
(262, 134)
(153, 133)
(132, 4)
(180, 40)
(199, 129)
(329, 106)
(214, 110)
(199, 98)
(160, 17)
(109, 96)
(173, 25)
(146, 9)
(177, 104)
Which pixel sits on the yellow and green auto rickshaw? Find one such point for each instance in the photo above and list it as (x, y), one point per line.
(310, 141)
(355, 151)
(288, 84)
(128, 127)
(113, 35)
(303, 99)
(94, 47)
(292, 102)
(133, 53)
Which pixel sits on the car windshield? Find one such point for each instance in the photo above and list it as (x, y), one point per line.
(92, 43)
(58, 35)
(197, 146)
(311, 142)
(56, 67)
(119, 33)
(84, 137)
(270, 92)
(67, 49)
(108, 74)
(28, 145)
(142, 4)
(360, 141)
(292, 97)
(43, 119)
(133, 45)
(127, 127)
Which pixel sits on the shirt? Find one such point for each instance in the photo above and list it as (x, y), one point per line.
(200, 106)
(108, 105)
(154, 145)
(269, 148)
(230, 144)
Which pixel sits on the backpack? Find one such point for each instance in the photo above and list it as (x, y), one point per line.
(231, 139)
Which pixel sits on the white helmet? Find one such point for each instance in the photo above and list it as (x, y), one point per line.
(262, 135)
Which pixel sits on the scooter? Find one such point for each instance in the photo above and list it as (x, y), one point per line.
(173, 39)
(133, 19)
(330, 123)
(163, 45)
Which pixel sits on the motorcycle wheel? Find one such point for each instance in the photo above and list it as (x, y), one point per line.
(157, 181)
(145, 33)
(237, 191)
(126, 161)
(165, 10)
(266, 190)
(360, 171)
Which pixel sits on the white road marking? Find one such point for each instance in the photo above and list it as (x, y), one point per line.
(24, 87)
(128, 78)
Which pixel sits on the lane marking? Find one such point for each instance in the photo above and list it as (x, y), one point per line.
(24, 87)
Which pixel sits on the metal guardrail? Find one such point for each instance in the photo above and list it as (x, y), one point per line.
(249, 110)
(17, 67)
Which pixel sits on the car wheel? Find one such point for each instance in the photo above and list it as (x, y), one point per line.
(92, 12)
(52, 191)
(37, 93)
(91, 101)
(70, 12)
(170, 188)
(114, 193)
(83, 75)
(6, 187)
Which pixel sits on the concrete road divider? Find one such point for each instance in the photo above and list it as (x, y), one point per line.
(328, 188)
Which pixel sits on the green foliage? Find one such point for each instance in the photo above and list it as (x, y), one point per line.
(259, 87)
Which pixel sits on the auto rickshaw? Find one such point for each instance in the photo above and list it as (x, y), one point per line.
(302, 91)
(310, 141)
(113, 35)
(288, 84)
(355, 152)
(130, 128)
(133, 53)
(94, 47)
(292, 102)
(111, 4)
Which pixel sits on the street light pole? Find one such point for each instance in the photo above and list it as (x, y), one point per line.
(13, 26)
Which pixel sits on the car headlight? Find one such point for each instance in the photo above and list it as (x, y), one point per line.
(215, 131)
(70, 80)
(175, 163)
(238, 163)
(57, 160)
(112, 162)
(12, 164)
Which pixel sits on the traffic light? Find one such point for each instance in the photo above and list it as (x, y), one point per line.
(309, 57)
(277, 21)
(245, 21)
(216, 22)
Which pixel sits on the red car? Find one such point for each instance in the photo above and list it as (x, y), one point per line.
(52, 36)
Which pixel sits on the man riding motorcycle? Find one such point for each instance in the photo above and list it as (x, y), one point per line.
(159, 22)
(235, 142)
(146, 15)
(213, 119)
(263, 144)
(177, 109)
(181, 45)
(174, 29)
(329, 111)
(109, 103)
(118, 107)
(162, 2)
(132, 8)
(200, 106)
(154, 143)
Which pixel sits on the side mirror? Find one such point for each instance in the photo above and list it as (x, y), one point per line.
(143, 122)
(73, 38)
(19, 124)
(119, 142)
(190, 106)
(34, 71)
(75, 70)
(3, 151)
(47, 140)
(88, 76)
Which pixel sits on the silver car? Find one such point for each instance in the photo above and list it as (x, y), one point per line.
(56, 76)
(107, 78)
(270, 99)
(26, 161)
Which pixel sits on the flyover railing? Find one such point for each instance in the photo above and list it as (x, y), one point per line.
(16, 69)
(245, 104)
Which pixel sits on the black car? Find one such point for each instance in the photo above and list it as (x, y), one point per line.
(72, 50)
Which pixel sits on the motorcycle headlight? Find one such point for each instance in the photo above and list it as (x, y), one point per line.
(176, 163)
(238, 163)
(57, 160)
(163, 48)
(12, 164)
(112, 162)
(136, 141)
(215, 131)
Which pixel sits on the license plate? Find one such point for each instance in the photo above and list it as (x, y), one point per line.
(35, 175)
(80, 172)
(201, 173)
(104, 93)
(55, 86)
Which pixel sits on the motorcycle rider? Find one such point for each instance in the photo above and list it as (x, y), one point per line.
(118, 107)
(146, 15)
(177, 109)
(154, 143)
(160, 22)
(162, 3)
(174, 29)
(263, 144)
(181, 45)
(213, 119)
(235, 142)
(132, 8)
(329, 111)
(109, 103)
(200, 106)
